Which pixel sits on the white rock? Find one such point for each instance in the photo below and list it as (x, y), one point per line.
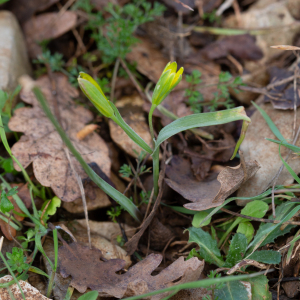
(29, 291)
(13, 55)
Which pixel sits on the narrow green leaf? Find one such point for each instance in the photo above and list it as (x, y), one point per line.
(264, 231)
(260, 288)
(291, 171)
(266, 256)
(247, 229)
(38, 271)
(129, 131)
(199, 217)
(92, 295)
(286, 144)
(270, 123)
(201, 120)
(208, 247)
(232, 291)
(121, 199)
(237, 250)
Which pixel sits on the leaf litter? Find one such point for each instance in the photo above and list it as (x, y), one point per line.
(136, 281)
(199, 177)
(42, 145)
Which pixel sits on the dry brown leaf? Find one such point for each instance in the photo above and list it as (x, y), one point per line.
(108, 249)
(131, 110)
(240, 46)
(101, 276)
(42, 145)
(211, 192)
(284, 93)
(244, 263)
(285, 47)
(25, 9)
(47, 26)
(29, 291)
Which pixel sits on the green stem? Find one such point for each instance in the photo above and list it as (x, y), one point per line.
(51, 282)
(151, 124)
(233, 225)
(155, 158)
(107, 188)
(20, 203)
(12, 224)
(7, 147)
(69, 293)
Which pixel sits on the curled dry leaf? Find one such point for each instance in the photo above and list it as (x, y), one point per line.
(213, 190)
(45, 27)
(29, 291)
(284, 94)
(244, 263)
(101, 276)
(131, 110)
(285, 47)
(240, 46)
(42, 145)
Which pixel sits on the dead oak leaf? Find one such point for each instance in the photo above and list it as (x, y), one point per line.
(42, 145)
(47, 26)
(101, 276)
(211, 192)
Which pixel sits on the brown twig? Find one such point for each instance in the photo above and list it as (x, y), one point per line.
(114, 79)
(132, 78)
(259, 219)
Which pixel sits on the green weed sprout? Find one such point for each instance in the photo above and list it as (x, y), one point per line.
(169, 79)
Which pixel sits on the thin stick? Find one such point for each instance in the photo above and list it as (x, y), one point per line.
(82, 196)
(137, 86)
(259, 219)
(114, 79)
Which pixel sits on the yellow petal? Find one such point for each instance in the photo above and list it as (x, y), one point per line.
(91, 80)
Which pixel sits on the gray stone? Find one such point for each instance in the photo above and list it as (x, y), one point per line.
(13, 54)
(256, 147)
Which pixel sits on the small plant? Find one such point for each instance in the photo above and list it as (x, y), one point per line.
(26, 240)
(212, 288)
(126, 171)
(114, 35)
(17, 260)
(114, 212)
(56, 63)
(212, 17)
(222, 97)
(167, 82)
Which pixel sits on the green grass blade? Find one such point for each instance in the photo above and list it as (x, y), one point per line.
(270, 123)
(121, 199)
(201, 120)
(291, 171)
(286, 144)
(129, 131)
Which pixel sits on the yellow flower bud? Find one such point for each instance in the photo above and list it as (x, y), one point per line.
(166, 83)
(95, 94)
